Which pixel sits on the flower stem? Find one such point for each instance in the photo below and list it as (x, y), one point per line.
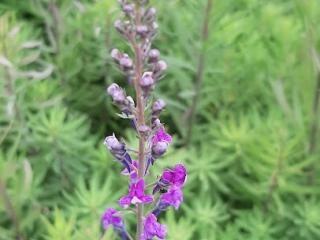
(139, 115)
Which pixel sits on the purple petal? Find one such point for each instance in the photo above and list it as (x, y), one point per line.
(173, 197)
(139, 188)
(161, 136)
(109, 218)
(147, 199)
(180, 175)
(125, 201)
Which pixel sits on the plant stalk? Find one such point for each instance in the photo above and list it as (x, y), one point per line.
(200, 72)
(139, 116)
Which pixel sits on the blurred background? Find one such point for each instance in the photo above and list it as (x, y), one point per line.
(242, 98)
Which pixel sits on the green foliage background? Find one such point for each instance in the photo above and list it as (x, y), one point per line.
(249, 159)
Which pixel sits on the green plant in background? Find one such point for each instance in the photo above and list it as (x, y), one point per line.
(251, 150)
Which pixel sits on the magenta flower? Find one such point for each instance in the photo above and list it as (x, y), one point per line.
(174, 197)
(136, 195)
(110, 217)
(177, 177)
(161, 136)
(153, 229)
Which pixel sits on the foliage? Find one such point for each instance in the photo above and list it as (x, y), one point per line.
(249, 159)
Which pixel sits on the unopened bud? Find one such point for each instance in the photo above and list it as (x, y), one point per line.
(128, 9)
(154, 55)
(142, 30)
(144, 130)
(160, 148)
(112, 143)
(161, 66)
(118, 24)
(116, 93)
(116, 54)
(158, 105)
(147, 80)
(150, 14)
(126, 63)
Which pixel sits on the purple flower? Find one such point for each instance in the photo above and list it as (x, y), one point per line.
(173, 197)
(136, 195)
(153, 229)
(161, 136)
(110, 217)
(177, 177)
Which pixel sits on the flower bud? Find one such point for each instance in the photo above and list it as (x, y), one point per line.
(126, 63)
(160, 148)
(112, 89)
(161, 66)
(112, 143)
(159, 69)
(153, 55)
(128, 9)
(116, 93)
(144, 129)
(150, 14)
(147, 80)
(116, 55)
(142, 30)
(158, 105)
(157, 123)
(118, 24)
(119, 96)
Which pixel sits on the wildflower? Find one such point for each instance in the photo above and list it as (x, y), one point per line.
(153, 229)
(174, 197)
(161, 136)
(111, 218)
(169, 177)
(160, 144)
(136, 195)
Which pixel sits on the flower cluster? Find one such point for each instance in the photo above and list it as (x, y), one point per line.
(144, 70)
